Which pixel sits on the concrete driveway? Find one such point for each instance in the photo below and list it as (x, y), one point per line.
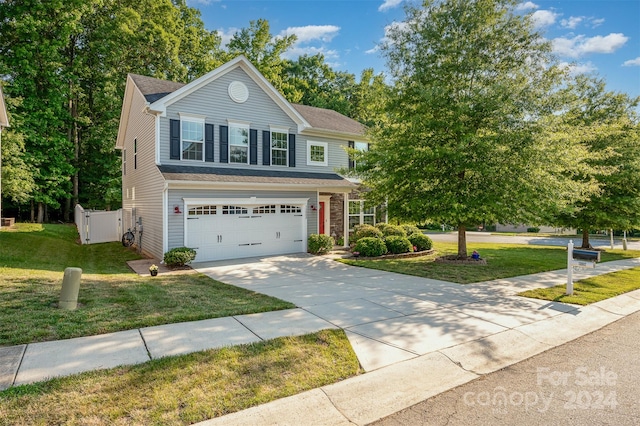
(391, 317)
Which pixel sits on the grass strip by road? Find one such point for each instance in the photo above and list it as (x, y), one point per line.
(591, 290)
(186, 389)
(503, 261)
(111, 298)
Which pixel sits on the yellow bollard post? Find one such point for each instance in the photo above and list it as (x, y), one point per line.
(70, 289)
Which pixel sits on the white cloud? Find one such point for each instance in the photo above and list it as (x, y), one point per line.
(632, 62)
(596, 22)
(324, 33)
(226, 35)
(296, 51)
(580, 45)
(401, 26)
(583, 68)
(544, 18)
(526, 6)
(572, 22)
(191, 3)
(389, 4)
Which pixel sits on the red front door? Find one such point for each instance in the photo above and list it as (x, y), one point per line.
(321, 218)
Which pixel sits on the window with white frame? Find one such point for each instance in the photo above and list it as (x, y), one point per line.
(279, 147)
(192, 138)
(360, 214)
(317, 153)
(135, 153)
(238, 143)
(360, 146)
(124, 163)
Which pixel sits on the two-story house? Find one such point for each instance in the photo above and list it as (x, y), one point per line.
(226, 165)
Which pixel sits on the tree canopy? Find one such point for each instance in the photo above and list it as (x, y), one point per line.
(465, 142)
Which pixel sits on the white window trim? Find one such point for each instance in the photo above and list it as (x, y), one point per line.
(276, 129)
(325, 145)
(361, 214)
(124, 162)
(242, 125)
(194, 118)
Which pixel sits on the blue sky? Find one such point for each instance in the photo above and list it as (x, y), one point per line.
(601, 36)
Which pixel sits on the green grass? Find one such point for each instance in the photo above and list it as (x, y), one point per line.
(185, 389)
(503, 261)
(592, 289)
(112, 297)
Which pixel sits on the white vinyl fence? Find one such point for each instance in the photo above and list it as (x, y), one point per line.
(97, 226)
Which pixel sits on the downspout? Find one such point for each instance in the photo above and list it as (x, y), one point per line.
(165, 218)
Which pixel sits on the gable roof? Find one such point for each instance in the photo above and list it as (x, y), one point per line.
(4, 118)
(154, 89)
(159, 94)
(327, 119)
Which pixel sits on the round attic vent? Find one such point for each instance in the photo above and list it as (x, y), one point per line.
(238, 92)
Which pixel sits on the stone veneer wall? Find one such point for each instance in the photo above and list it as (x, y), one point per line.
(336, 216)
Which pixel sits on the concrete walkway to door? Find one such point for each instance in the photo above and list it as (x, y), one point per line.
(391, 317)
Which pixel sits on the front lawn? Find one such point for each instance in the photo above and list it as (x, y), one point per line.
(591, 290)
(112, 297)
(503, 261)
(185, 389)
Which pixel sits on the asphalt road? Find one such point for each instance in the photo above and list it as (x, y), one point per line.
(488, 237)
(593, 380)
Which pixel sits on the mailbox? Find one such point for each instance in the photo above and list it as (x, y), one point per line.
(589, 255)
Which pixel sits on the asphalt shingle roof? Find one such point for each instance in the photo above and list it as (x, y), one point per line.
(154, 88)
(227, 174)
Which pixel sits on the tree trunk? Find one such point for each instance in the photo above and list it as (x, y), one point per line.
(462, 241)
(40, 213)
(585, 239)
(33, 212)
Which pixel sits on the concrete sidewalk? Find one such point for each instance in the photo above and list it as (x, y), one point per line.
(415, 337)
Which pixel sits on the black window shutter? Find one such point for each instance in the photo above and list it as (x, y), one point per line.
(253, 146)
(351, 163)
(292, 150)
(266, 148)
(224, 144)
(208, 142)
(174, 139)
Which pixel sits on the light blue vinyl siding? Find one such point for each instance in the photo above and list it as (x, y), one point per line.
(176, 196)
(213, 102)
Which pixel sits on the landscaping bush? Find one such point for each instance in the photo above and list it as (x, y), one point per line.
(533, 229)
(179, 256)
(421, 242)
(397, 244)
(320, 243)
(382, 226)
(394, 230)
(411, 229)
(370, 247)
(365, 231)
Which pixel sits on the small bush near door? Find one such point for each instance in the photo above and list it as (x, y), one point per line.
(421, 242)
(320, 244)
(179, 256)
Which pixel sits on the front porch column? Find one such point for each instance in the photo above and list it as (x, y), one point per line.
(346, 218)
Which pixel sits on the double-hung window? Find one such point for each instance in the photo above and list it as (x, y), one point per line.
(279, 147)
(238, 143)
(192, 138)
(360, 214)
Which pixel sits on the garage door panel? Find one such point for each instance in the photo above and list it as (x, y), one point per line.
(246, 232)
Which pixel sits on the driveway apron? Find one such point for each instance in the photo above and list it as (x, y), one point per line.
(387, 317)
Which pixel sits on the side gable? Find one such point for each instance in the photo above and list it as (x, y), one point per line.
(161, 104)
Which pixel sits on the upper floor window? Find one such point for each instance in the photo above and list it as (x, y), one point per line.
(238, 143)
(359, 146)
(317, 153)
(135, 153)
(192, 138)
(279, 148)
(124, 162)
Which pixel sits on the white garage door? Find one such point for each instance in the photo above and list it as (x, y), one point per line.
(234, 230)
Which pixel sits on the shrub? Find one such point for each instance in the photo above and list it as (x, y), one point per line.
(370, 247)
(397, 244)
(364, 231)
(394, 230)
(179, 256)
(320, 243)
(411, 229)
(382, 226)
(421, 242)
(533, 229)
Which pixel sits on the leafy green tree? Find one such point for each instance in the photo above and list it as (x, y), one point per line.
(607, 123)
(463, 144)
(368, 98)
(264, 51)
